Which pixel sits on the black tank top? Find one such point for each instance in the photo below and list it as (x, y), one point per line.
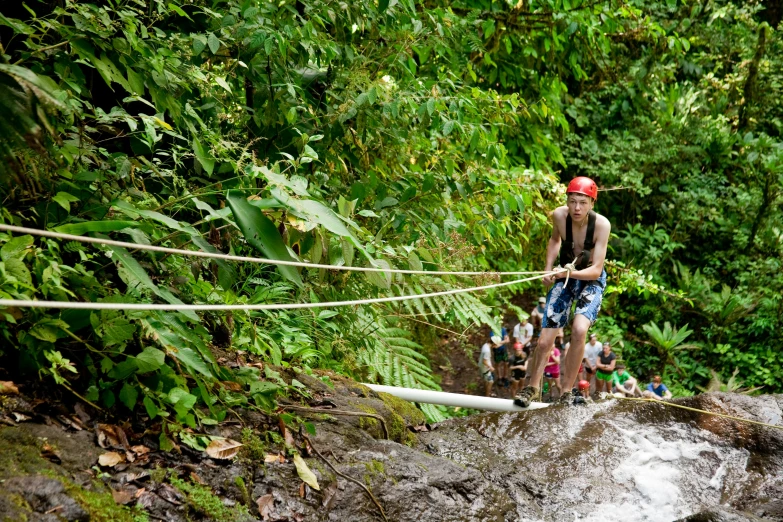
(567, 246)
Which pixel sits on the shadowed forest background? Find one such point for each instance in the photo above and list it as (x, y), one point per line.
(400, 134)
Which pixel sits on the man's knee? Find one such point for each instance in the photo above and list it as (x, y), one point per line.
(579, 330)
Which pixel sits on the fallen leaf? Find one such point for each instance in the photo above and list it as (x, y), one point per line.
(305, 474)
(302, 490)
(271, 457)
(223, 449)
(139, 492)
(266, 505)
(8, 388)
(195, 478)
(140, 450)
(170, 494)
(108, 436)
(330, 494)
(110, 459)
(122, 497)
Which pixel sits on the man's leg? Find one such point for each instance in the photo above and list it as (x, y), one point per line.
(576, 352)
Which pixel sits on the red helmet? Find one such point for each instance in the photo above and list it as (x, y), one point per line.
(584, 385)
(517, 346)
(583, 185)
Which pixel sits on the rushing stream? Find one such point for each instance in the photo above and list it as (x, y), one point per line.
(628, 462)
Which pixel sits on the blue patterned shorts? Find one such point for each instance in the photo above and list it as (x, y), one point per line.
(588, 296)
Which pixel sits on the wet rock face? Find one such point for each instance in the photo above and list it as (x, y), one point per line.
(613, 460)
(628, 460)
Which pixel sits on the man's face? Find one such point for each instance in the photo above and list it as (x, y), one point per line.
(607, 349)
(592, 339)
(579, 205)
(620, 371)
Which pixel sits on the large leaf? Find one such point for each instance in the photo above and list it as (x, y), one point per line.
(261, 234)
(226, 272)
(134, 274)
(78, 229)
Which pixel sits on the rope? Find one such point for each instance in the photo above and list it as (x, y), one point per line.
(75, 305)
(228, 257)
(723, 415)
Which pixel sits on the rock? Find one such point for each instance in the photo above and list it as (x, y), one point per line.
(46, 496)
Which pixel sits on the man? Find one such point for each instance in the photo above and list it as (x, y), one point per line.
(501, 355)
(523, 333)
(592, 351)
(580, 236)
(537, 316)
(624, 383)
(518, 367)
(486, 368)
(604, 369)
(657, 390)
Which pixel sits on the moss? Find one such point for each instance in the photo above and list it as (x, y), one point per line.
(375, 466)
(100, 504)
(158, 474)
(254, 448)
(240, 483)
(201, 499)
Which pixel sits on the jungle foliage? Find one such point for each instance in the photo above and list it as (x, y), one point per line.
(428, 135)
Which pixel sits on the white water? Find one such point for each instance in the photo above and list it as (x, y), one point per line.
(665, 475)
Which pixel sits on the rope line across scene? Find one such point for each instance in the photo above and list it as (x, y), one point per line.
(229, 257)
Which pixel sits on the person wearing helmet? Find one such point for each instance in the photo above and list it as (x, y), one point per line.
(580, 237)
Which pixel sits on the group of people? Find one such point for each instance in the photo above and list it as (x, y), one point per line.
(576, 279)
(600, 370)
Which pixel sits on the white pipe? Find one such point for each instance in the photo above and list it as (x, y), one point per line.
(454, 399)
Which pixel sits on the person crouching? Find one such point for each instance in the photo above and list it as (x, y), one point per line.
(518, 367)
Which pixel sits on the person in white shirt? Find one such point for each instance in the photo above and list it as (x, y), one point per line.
(486, 368)
(523, 333)
(592, 350)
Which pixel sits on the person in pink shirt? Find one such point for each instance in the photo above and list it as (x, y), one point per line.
(552, 372)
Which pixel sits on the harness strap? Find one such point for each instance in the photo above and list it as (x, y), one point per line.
(568, 247)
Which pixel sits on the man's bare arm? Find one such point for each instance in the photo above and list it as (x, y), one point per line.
(552, 249)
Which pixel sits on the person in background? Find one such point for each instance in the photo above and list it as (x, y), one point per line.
(552, 372)
(523, 334)
(592, 351)
(584, 389)
(537, 316)
(486, 368)
(604, 369)
(501, 356)
(518, 367)
(624, 383)
(657, 390)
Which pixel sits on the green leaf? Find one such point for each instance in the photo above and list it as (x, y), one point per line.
(79, 229)
(65, 199)
(203, 155)
(179, 11)
(124, 369)
(134, 275)
(150, 359)
(16, 248)
(223, 83)
(199, 44)
(214, 43)
(262, 234)
(48, 329)
(192, 360)
(151, 407)
(129, 395)
(382, 5)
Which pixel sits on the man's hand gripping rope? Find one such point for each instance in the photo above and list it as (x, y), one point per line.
(568, 268)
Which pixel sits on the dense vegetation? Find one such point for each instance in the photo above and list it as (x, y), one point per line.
(389, 134)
